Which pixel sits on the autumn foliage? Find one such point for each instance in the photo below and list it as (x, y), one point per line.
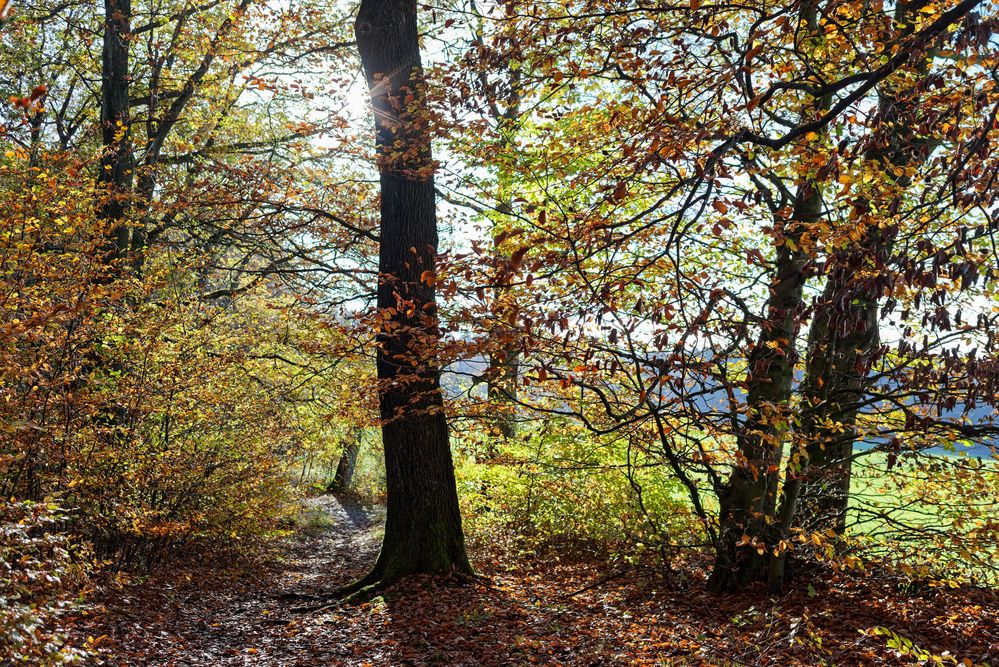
(706, 290)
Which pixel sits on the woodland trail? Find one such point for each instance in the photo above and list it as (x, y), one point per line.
(220, 614)
(545, 608)
(240, 618)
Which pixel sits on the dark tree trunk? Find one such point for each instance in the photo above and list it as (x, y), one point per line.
(114, 187)
(839, 355)
(116, 167)
(845, 330)
(845, 333)
(747, 502)
(348, 463)
(423, 523)
(750, 493)
(842, 338)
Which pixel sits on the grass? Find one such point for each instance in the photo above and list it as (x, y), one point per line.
(935, 515)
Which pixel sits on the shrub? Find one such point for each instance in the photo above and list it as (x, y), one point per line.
(38, 583)
(558, 486)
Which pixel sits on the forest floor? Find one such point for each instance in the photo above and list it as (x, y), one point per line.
(529, 609)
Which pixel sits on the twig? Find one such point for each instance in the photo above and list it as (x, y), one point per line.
(599, 582)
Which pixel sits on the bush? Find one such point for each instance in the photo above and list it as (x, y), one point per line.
(557, 486)
(38, 583)
(167, 420)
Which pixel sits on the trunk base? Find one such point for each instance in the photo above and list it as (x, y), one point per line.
(726, 577)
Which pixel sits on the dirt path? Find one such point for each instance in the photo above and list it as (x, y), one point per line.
(218, 614)
(239, 618)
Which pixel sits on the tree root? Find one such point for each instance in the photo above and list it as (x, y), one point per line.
(289, 597)
(596, 584)
(368, 587)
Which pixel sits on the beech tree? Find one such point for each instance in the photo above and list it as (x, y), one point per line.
(844, 339)
(423, 530)
(687, 179)
(117, 164)
(750, 495)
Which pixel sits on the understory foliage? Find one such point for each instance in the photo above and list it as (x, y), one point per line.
(556, 488)
(165, 425)
(162, 421)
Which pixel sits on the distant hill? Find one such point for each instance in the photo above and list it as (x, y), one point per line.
(457, 378)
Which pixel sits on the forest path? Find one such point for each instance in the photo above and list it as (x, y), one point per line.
(535, 609)
(213, 616)
(220, 613)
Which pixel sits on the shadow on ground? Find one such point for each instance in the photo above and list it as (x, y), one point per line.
(535, 610)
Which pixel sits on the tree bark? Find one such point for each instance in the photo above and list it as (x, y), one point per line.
(423, 531)
(117, 166)
(749, 495)
(839, 355)
(748, 500)
(344, 474)
(845, 332)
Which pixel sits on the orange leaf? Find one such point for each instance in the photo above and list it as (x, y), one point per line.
(620, 191)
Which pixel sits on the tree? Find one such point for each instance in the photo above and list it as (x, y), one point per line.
(347, 463)
(117, 165)
(749, 497)
(659, 136)
(181, 154)
(423, 531)
(844, 335)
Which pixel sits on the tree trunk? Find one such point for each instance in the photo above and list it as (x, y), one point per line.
(845, 336)
(845, 332)
(749, 495)
(748, 501)
(504, 363)
(423, 524)
(839, 354)
(348, 463)
(116, 167)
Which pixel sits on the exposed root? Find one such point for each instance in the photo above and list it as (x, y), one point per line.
(596, 584)
(368, 588)
(342, 595)
(290, 597)
(367, 593)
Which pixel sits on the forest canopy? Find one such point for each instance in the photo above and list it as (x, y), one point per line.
(698, 291)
